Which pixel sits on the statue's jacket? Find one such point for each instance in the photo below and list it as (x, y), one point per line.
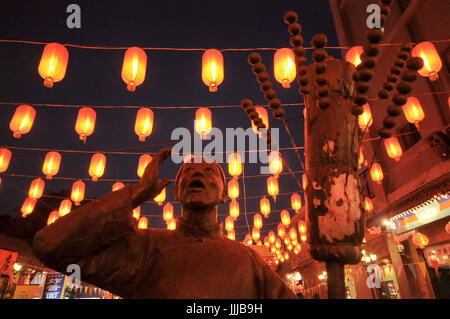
(103, 239)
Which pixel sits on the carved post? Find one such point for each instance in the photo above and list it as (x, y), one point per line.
(334, 205)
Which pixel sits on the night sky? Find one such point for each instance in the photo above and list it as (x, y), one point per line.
(173, 79)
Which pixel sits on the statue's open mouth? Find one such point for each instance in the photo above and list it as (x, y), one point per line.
(196, 184)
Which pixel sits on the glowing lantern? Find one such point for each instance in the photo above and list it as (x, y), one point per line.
(143, 223)
(28, 206)
(413, 111)
(432, 63)
(303, 238)
(293, 234)
(143, 126)
(203, 122)
(212, 69)
(77, 195)
(284, 66)
(354, 55)
(376, 173)
(53, 64)
(281, 230)
(134, 67)
(172, 224)
(255, 234)
(85, 122)
(234, 209)
(296, 202)
(420, 240)
(285, 217)
(302, 227)
(361, 156)
(229, 223)
(5, 158)
(368, 206)
(447, 228)
(168, 212)
(97, 167)
(231, 235)
(272, 187)
(271, 237)
(393, 148)
(257, 221)
(262, 112)
(137, 212)
(116, 186)
(161, 197)
(248, 240)
(65, 207)
(304, 181)
(234, 164)
(286, 255)
(296, 251)
(275, 163)
(233, 189)
(144, 160)
(278, 243)
(22, 120)
(36, 188)
(365, 119)
(264, 206)
(51, 165)
(54, 215)
(289, 247)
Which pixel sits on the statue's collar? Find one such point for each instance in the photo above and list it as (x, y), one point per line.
(213, 232)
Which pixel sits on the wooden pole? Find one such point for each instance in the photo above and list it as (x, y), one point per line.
(335, 280)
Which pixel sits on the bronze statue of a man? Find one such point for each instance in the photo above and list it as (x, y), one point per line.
(193, 261)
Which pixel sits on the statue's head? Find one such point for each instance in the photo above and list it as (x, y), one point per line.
(200, 184)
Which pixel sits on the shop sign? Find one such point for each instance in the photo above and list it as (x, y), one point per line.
(438, 256)
(7, 260)
(54, 286)
(25, 292)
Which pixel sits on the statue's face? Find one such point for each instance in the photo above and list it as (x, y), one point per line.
(200, 186)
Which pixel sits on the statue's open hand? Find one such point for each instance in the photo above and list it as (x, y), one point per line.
(150, 179)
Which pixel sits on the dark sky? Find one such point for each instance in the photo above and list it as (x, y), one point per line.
(173, 79)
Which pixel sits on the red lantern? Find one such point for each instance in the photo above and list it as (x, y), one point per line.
(97, 167)
(447, 228)
(144, 160)
(302, 227)
(134, 67)
(432, 63)
(420, 240)
(271, 237)
(235, 165)
(376, 173)
(137, 212)
(22, 120)
(168, 212)
(116, 186)
(293, 234)
(257, 221)
(54, 215)
(231, 235)
(203, 121)
(53, 65)
(368, 206)
(272, 187)
(78, 188)
(393, 148)
(255, 234)
(36, 188)
(234, 209)
(161, 197)
(413, 111)
(212, 69)
(51, 165)
(262, 112)
(5, 158)
(265, 206)
(284, 66)
(361, 156)
(85, 122)
(172, 224)
(229, 223)
(233, 189)
(143, 223)
(354, 55)
(296, 202)
(65, 207)
(304, 182)
(303, 238)
(28, 206)
(281, 230)
(285, 217)
(365, 119)
(143, 126)
(275, 163)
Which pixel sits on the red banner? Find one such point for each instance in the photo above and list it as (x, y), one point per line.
(7, 260)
